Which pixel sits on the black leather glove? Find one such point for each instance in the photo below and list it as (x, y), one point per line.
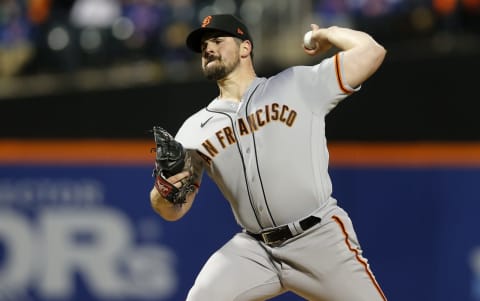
(171, 159)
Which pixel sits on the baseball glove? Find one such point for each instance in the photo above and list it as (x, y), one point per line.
(171, 159)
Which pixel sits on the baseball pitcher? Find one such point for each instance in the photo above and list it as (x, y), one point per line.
(262, 141)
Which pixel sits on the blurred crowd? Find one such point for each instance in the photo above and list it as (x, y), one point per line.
(64, 35)
(52, 36)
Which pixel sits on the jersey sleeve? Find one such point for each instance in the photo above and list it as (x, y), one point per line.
(198, 168)
(324, 85)
(186, 135)
(190, 132)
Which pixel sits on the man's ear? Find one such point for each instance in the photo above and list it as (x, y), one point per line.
(245, 49)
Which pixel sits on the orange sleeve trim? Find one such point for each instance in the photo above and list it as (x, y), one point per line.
(359, 258)
(339, 75)
(137, 152)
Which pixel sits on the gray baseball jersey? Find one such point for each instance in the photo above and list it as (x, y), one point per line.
(268, 153)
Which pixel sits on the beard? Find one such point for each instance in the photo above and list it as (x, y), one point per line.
(219, 69)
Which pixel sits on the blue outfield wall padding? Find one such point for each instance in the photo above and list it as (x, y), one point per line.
(88, 232)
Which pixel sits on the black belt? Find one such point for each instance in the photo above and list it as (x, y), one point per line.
(280, 234)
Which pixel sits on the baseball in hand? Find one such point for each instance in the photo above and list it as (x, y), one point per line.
(307, 41)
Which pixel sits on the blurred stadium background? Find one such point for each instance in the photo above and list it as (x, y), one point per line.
(82, 81)
(119, 59)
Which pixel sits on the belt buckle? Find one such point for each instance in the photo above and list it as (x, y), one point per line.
(266, 240)
(265, 237)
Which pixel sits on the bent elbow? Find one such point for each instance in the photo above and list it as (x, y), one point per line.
(377, 55)
(171, 217)
(169, 214)
(380, 53)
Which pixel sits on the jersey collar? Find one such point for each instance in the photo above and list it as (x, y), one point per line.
(232, 106)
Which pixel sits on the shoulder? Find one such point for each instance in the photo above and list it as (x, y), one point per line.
(300, 71)
(188, 132)
(193, 120)
(197, 116)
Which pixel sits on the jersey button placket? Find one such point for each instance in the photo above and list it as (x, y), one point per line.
(249, 156)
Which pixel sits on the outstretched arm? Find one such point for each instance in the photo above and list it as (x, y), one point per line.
(166, 209)
(362, 54)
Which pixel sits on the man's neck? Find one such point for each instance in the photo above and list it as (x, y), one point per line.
(234, 86)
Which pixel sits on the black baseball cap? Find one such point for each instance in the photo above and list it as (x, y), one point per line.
(228, 24)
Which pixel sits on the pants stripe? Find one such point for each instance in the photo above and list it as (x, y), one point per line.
(359, 257)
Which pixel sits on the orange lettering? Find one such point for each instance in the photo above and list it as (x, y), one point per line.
(267, 112)
(251, 122)
(206, 21)
(291, 118)
(243, 127)
(282, 117)
(229, 133)
(210, 148)
(205, 157)
(220, 138)
(259, 118)
(275, 111)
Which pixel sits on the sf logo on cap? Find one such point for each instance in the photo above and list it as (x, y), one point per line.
(206, 21)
